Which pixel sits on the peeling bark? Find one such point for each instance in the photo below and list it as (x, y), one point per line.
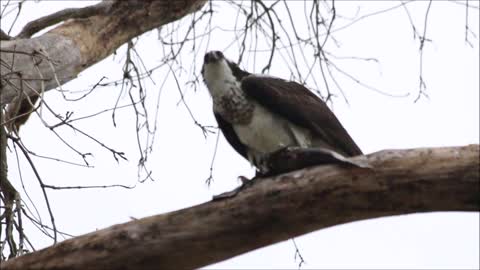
(276, 209)
(35, 65)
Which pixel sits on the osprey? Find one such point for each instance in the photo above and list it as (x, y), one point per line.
(260, 115)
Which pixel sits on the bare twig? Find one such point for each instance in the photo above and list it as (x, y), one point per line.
(206, 130)
(274, 35)
(42, 185)
(298, 255)
(9, 197)
(19, 9)
(210, 176)
(88, 187)
(422, 85)
(468, 31)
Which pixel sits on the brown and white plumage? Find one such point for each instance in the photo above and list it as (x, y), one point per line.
(259, 115)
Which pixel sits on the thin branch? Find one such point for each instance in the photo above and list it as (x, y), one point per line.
(298, 254)
(42, 186)
(422, 85)
(210, 176)
(274, 35)
(87, 187)
(467, 27)
(11, 199)
(19, 7)
(205, 129)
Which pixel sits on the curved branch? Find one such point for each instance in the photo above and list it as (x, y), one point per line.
(70, 13)
(275, 209)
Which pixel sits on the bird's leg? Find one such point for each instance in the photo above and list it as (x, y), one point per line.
(259, 161)
(245, 182)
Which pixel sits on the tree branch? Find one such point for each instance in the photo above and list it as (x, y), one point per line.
(79, 43)
(276, 209)
(70, 13)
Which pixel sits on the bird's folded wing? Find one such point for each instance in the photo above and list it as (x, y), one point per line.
(300, 106)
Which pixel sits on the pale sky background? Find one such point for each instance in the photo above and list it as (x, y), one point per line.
(181, 155)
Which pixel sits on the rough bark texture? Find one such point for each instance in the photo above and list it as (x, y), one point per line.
(275, 209)
(42, 63)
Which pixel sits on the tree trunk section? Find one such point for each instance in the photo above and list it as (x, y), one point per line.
(276, 209)
(35, 65)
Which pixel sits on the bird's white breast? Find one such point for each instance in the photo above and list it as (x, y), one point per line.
(268, 132)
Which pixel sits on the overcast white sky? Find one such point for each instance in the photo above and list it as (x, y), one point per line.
(181, 156)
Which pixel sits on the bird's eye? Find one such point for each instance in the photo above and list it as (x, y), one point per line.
(207, 57)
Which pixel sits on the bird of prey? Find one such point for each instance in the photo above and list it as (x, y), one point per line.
(259, 115)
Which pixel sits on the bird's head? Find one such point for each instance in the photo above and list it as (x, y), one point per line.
(213, 57)
(217, 68)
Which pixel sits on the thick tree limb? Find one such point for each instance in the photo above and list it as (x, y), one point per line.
(276, 209)
(42, 63)
(70, 13)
